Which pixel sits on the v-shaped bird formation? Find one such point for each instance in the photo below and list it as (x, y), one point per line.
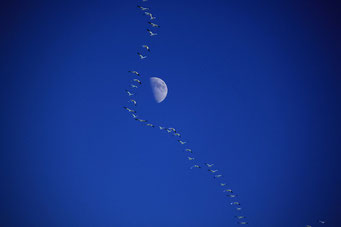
(210, 167)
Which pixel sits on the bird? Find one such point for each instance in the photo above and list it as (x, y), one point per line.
(141, 56)
(242, 223)
(150, 15)
(130, 110)
(239, 208)
(217, 176)
(147, 47)
(162, 128)
(177, 134)
(150, 125)
(182, 142)
(134, 116)
(129, 93)
(232, 196)
(173, 129)
(240, 217)
(195, 166)
(151, 33)
(138, 81)
(140, 120)
(168, 130)
(235, 203)
(189, 150)
(209, 165)
(133, 101)
(228, 190)
(153, 25)
(222, 184)
(212, 171)
(190, 158)
(308, 226)
(142, 8)
(133, 86)
(322, 222)
(134, 72)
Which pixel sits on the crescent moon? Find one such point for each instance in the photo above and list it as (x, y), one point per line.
(159, 89)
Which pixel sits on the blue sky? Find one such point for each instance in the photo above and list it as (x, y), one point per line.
(254, 87)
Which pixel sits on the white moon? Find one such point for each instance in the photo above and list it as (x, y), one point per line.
(159, 89)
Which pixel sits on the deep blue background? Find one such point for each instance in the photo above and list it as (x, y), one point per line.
(254, 87)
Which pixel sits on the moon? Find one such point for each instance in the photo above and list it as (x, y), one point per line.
(159, 89)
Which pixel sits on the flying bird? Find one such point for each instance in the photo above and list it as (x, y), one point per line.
(150, 125)
(162, 128)
(209, 165)
(173, 129)
(141, 56)
(190, 158)
(228, 190)
(195, 166)
(238, 208)
(134, 116)
(151, 33)
(232, 196)
(189, 150)
(140, 120)
(322, 222)
(147, 47)
(222, 184)
(217, 176)
(134, 72)
(138, 81)
(133, 86)
(153, 25)
(133, 101)
(242, 223)
(212, 171)
(177, 134)
(182, 142)
(142, 8)
(240, 217)
(235, 203)
(150, 15)
(130, 110)
(129, 93)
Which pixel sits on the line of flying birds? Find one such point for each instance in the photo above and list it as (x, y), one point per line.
(136, 83)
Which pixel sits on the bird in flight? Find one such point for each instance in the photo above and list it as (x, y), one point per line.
(141, 56)
(133, 86)
(177, 134)
(322, 222)
(235, 203)
(151, 33)
(150, 125)
(212, 171)
(228, 190)
(218, 176)
(173, 129)
(195, 166)
(142, 8)
(238, 208)
(134, 72)
(153, 25)
(190, 158)
(150, 15)
(138, 81)
(129, 93)
(242, 223)
(189, 150)
(182, 142)
(222, 184)
(162, 128)
(232, 196)
(130, 110)
(133, 101)
(147, 47)
(209, 165)
(240, 217)
(140, 120)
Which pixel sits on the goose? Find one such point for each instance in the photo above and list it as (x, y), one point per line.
(177, 134)
(134, 116)
(142, 8)
(134, 72)
(130, 110)
(235, 203)
(147, 47)
(153, 25)
(228, 190)
(129, 93)
(242, 223)
(209, 165)
(133, 86)
(182, 142)
(240, 217)
(138, 81)
(190, 158)
(162, 128)
(150, 15)
(232, 196)
(151, 33)
(173, 129)
(141, 56)
(322, 222)
(140, 120)
(195, 166)
(189, 150)
(168, 130)
(212, 171)
(222, 184)
(218, 176)
(133, 101)
(150, 125)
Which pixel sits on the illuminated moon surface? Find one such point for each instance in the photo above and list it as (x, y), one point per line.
(159, 89)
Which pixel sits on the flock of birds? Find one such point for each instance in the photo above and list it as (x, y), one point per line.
(136, 82)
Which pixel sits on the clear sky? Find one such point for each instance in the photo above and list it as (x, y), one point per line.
(253, 86)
